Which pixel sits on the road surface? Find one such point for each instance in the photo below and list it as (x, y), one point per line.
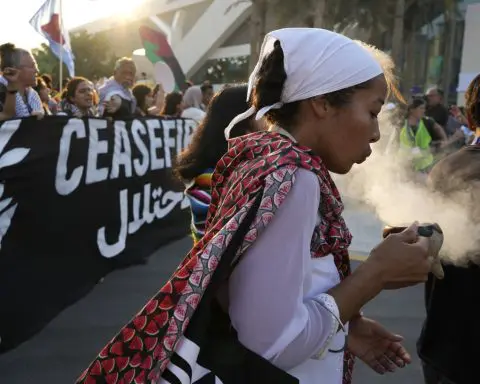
(65, 347)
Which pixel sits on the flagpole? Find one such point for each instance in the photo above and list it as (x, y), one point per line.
(60, 16)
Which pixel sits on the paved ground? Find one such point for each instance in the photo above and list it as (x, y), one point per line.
(63, 349)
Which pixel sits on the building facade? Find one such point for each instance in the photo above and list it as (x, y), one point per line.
(210, 39)
(198, 31)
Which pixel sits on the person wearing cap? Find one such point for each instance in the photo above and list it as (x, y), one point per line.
(267, 294)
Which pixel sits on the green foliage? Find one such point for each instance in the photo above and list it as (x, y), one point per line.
(93, 57)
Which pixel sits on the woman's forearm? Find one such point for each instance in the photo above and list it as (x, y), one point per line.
(356, 290)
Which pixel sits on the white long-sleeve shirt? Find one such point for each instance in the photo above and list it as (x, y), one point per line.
(277, 292)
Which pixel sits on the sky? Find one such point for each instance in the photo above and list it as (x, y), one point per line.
(16, 27)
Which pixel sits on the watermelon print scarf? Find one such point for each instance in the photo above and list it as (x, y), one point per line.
(257, 167)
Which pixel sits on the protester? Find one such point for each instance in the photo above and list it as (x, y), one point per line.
(207, 94)
(158, 100)
(27, 101)
(144, 99)
(449, 342)
(435, 107)
(174, 105)
(193, 99)
(421, 136)
(116, 97)
(196, 164)
(77, 98)
(52, 104)
(43, 91)
(267, 294)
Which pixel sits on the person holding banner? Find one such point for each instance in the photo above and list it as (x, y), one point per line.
(13, 60)
(116, 97)
(267, 294)
(78, 98)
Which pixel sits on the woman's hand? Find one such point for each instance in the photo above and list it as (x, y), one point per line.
(402, 259)
(39, 114)
(11, 74)
(380, 349)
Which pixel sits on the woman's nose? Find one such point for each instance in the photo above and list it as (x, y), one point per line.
(376, 134)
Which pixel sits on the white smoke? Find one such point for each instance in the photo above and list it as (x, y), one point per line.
(384, 183)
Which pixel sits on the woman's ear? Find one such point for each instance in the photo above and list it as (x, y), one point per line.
(320, 106)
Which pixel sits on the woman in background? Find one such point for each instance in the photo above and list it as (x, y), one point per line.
(78, 98)
(44, 92)
(193, 99)
(420, 136)
(174, 105)
(144, 96)
(196, 164)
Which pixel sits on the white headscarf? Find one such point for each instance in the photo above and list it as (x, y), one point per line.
(193, 97)
(316, 62)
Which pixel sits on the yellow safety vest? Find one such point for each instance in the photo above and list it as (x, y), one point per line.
(421, 140)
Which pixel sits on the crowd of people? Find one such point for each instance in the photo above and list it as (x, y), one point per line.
(257, 172)
(24, 92)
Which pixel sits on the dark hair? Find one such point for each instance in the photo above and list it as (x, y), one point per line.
(47, 79)
(206, 87)
(141, 91)
(472, 102)
(172, 101)
(41, 84)
(10, 56)
(208, 142)
(71, 87)
(269, 86)
(415, 103)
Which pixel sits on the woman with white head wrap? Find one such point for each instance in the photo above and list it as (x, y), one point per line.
(267, 295)
(193, 102)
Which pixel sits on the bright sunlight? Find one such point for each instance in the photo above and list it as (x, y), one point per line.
(16, 28)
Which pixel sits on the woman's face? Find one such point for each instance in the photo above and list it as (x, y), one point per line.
(418, 112)
(342, 136)
(180, 107)
(149, 100)
(83, 95)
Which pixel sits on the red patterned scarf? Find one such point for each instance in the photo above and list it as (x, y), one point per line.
(260, 163)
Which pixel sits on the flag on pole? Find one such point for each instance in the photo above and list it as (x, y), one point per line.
(47, 22)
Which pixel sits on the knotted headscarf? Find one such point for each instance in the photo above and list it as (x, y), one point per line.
(317, 62)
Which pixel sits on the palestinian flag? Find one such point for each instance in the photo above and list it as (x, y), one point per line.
(157, 50)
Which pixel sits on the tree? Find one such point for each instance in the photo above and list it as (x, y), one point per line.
(258, 30)
(93, 56)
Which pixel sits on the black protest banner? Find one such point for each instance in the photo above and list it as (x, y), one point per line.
(79, 198)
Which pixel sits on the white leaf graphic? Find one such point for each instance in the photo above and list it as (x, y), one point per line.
(5, 203)
(5, 221)
(13, 156)
(8, 129)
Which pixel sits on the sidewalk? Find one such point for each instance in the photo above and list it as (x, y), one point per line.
(365, 227)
